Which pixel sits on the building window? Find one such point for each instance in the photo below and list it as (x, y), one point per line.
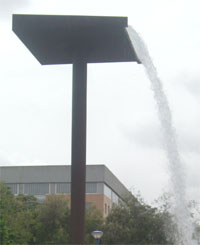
(91, 187)
(13, 188)
(107, 191)
(63, 188)
(115, 198)
(36, 189)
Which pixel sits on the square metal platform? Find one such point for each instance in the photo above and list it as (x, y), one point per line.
(58, 39)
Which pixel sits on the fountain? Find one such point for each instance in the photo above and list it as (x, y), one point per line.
(176, 167)
(79, 40)
(76, 40)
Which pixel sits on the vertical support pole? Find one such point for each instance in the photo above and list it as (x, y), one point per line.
(78, 157)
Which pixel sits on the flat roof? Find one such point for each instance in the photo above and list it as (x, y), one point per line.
(60, 173)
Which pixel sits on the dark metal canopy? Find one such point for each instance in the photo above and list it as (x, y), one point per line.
(76, 40)
(57, 39)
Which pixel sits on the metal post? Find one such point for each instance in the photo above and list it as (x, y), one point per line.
(78, 160)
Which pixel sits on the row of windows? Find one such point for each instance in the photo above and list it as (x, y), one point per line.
(44, 188)
(36, 189)
(66, 188)
(63, 188)
(111, 194)
(60, 188)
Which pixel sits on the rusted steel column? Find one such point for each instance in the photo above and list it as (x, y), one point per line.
(78, 157)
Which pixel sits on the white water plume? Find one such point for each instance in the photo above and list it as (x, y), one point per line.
(176, 167)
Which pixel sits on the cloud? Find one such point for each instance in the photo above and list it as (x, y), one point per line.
(193, 86)
(190, 142)
(147, 136)
(4, 159)
(191, 82)
(7, 7)
(15, 159)
(150, 136)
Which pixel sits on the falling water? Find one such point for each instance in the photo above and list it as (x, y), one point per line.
(176, 168)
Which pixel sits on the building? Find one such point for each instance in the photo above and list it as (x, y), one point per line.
(103, 189)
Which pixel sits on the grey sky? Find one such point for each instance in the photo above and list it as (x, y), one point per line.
(123, 128)
(8, 6)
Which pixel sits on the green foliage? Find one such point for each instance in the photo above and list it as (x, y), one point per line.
(134, 222)
(17, 218)
(197, 233)
(164, 204)
(25, 221)
(54, 224)
(7, 211)
(94, 221)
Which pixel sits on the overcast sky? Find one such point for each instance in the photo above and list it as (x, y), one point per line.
(123, 131)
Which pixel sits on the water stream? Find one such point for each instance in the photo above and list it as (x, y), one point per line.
(175, 165)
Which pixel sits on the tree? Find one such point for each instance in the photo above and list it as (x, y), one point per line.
(17, 218)
(14, 219)
(134, 222)
(165, 207)
(54, 221)
(54, 218)
(194, 208)
(25, 221)
(6, 208)
(93, 221)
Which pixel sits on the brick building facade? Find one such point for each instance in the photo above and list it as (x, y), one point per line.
(103, 189)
